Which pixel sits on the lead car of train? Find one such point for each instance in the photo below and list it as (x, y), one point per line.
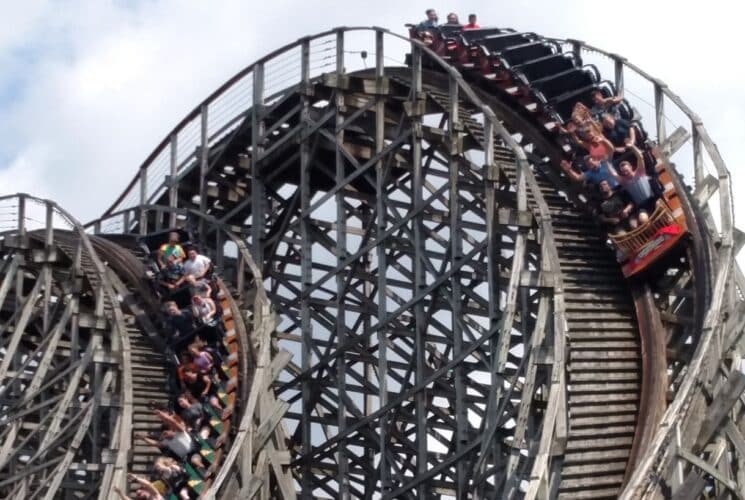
(536, 77)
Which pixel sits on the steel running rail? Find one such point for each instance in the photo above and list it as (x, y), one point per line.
(665, 445)
(117, 475)
(139, 193)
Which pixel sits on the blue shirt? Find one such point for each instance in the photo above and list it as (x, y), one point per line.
(426, 25)
(600, 174)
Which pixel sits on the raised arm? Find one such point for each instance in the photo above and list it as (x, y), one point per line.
(573, 175)
(121, 494)
(632, 136)
(150, 441)
(212, 308)
(145, 484)
(640, 170)
(170, 421)
(612, 172)
(207, 385)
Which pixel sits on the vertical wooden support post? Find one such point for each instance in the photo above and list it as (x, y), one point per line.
(420, 319)
(48, 248)
(306, 276)
(382, 259)
(172, 184)
(257, 186)
(659, 111)
(219, 247)
(456, 256)
(143, 202)
(75, 319)
(491, 185)
(204, 155)
(125, 222)
(22, 237)
(341, 252)
(698, 154)
(618, 67)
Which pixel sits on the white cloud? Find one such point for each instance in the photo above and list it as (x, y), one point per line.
(105, 82)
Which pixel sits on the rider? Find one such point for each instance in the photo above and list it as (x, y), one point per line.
(172, 247)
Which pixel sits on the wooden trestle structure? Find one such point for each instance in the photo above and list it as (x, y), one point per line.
(423, 309)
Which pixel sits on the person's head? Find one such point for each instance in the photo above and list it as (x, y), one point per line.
(453, 18)
(605, 189)
(192, 253)
(173, 237)
(172, 308)
(608, 120)
(172, 260)
(197, 300)
(625, 169)
(427, 37)
(143, 494)
(592, 163)
(431, 14)
(597, 96)
(162, 463)
(595, 137)
(191, 376)
(472, 18)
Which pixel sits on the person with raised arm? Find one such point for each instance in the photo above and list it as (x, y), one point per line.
(636, 182)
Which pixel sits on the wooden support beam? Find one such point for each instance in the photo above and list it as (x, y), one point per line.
(706, 189)
(695, 483)
(720, 407)
(676, 140)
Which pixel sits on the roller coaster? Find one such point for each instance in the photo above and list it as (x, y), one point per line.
(415, 299)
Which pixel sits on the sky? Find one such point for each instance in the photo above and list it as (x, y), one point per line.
(89, 88)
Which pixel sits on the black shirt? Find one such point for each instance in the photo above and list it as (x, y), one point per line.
(182, 324)
(613, 206)
(619, 133)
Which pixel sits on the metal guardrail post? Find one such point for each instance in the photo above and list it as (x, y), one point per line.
(257, 186)
(659, 110)
(698, 154)
(618, 73)
(143, 202)
(204, 155)
(22, 215)
(172, 184)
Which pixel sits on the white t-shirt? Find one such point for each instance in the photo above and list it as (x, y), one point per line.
(198, 266)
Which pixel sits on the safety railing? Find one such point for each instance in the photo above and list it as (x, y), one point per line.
(21, 214)
(695, 157)
(292, 68)
(635, 239)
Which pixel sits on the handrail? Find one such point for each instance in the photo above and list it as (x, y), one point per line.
(124, 422)
(212, 98)
(712, 325)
